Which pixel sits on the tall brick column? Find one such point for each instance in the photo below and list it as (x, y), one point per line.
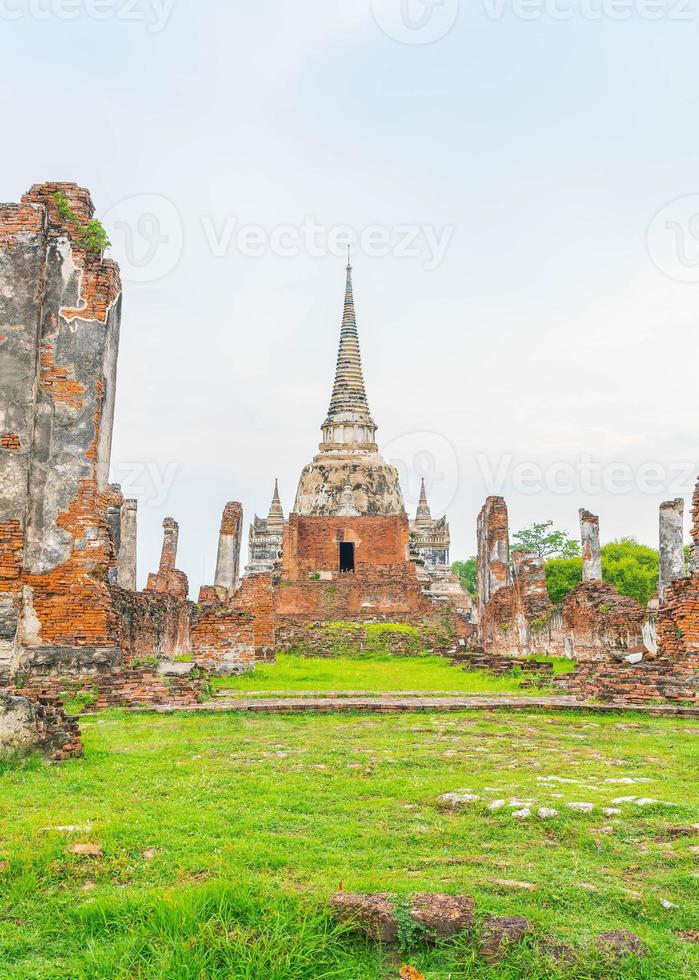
(671, 544)
(493, 550)
(126, 562)
(589, 540)
(228, 557)
(168, 578)
(168, 554)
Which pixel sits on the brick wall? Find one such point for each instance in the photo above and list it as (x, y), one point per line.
(592, 619)
(127, 688)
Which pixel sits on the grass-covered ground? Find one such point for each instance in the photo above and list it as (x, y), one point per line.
(222, 836)
(432, 674)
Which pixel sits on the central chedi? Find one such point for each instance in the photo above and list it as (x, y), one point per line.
(349, 477)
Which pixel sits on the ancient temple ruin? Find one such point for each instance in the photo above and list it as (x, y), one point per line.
(70, 610)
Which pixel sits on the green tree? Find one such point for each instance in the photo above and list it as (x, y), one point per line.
(632, 568)
(467, 572)
(562, 575)
(545, 541)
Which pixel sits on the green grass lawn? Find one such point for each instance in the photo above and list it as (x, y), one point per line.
(223, 835)
(433, 674)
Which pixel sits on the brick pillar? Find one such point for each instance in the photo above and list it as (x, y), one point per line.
(694, 553)
(228, 557)
(493, 550)
(589, 540)
(671, 544)
(168, 556)
(126, 562)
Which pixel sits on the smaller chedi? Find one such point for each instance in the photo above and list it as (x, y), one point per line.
(265, 538)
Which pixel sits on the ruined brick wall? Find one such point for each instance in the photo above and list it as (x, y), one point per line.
(223, 638)
(592, 619)
(126, 688)
(151, 624)
(255, 597)
(656, 679)
(678, 619)
(37, 724)
(59, 332)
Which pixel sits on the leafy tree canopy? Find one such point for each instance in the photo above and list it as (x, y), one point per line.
(467, 572)
(545, 541)
(632, 568)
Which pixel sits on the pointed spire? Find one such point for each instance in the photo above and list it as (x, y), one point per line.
(349, 427)
(349, 402)
(276, 511)
(423, 508)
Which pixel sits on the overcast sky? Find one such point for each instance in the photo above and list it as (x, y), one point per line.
(521, 180)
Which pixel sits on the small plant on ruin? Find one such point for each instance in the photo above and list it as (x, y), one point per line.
(314, 576)
(91, 236)
(410, 932)
(540, 622)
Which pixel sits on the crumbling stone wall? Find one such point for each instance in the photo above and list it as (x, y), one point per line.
(28, 725)
(59, 332)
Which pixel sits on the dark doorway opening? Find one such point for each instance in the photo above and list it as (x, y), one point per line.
(346, 556)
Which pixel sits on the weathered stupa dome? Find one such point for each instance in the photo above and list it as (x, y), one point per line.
(349, 461)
